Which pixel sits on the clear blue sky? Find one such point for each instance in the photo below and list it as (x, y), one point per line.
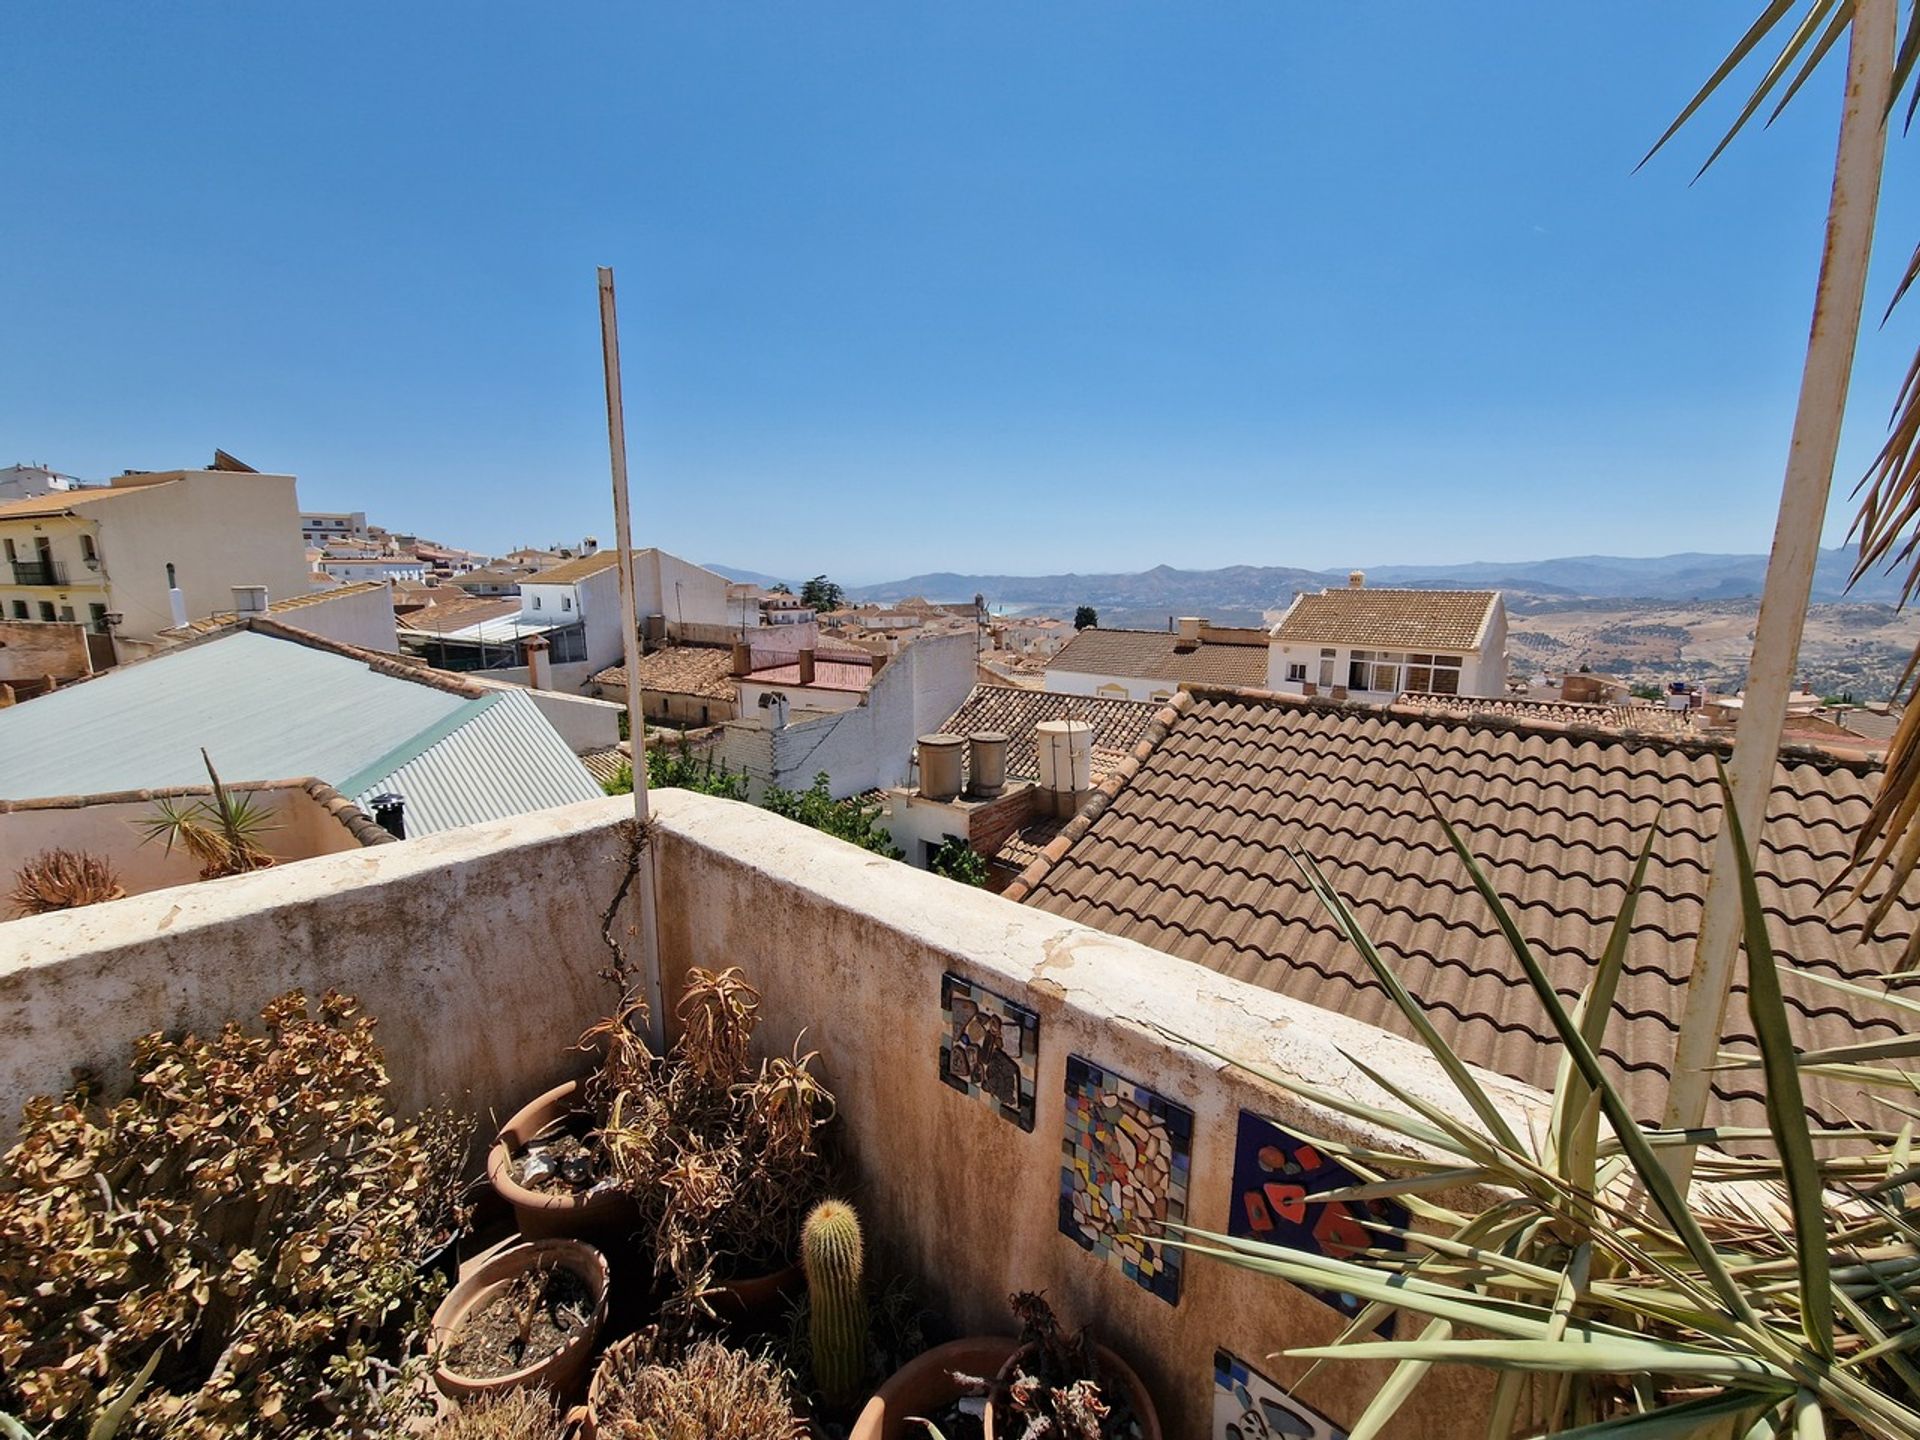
(908, 286)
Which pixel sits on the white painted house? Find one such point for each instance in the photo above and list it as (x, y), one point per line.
(1154, 664)
(1372, 645)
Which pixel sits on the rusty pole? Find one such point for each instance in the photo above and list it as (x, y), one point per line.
(629, 639)
(1796, 546)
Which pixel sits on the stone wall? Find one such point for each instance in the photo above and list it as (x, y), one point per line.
(32, 650)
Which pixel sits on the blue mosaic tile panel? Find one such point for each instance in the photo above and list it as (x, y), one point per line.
(1124, 1161)
(990, 1048)
(1249, 1406)
(1273, 1174)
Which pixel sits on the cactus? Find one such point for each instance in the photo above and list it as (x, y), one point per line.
(832, 1253)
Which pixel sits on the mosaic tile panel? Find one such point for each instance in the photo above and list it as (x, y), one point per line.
(1249, 1406)
(990, 1048)
(1124, 1156)
(1273, 1173)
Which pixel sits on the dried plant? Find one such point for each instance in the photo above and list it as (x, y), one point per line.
(222, 833)
(713, 1392)
(1055, 1388)
(222, 1252)
(723, 1161)
(516, 1415)
(62, 880)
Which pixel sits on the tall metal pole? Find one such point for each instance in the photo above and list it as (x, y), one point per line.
(1796, 546)
(629, 643)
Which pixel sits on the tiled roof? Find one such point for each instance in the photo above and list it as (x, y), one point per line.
(1161, 655)
(827, 675)
(699, 670)
(579, 568)
(607, 761)
(1644, 719)
(225, 618)
(1189, 851)
(1421, 620)
(1117, 724)
(460, 612)
(59, 502)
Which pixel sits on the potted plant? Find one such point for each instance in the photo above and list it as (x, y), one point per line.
(222, 833)
(1065, 1386)
(644, 1390)
(548, 1164)
(526, 1317)
(721, 1157)
(62, 880)
(939, 1389)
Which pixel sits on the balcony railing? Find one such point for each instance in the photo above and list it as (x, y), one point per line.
(39, 572)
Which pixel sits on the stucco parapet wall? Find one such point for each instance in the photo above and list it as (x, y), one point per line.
(351, 817)
(1102, 977)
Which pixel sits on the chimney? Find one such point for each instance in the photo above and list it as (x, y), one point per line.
(987, 760)
(1190, 627)
(1356, 579)
(805, 660)
(742, 659)
(940, 766)
(538, 677)
(390, 814)
(249, 600)
(1065, 750)
(177, 603)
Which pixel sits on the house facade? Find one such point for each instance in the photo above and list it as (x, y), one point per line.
(149, 551)
(1154, 664)
(1373, 645)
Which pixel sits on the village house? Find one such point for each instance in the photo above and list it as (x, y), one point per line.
(1153, 664)
(150, 551)
(31, 482)
(329, 527)
(354, 569)
(682, 686)
(360, 615)
(1371, 645)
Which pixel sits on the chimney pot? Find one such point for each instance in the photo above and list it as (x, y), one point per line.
(940, 766)
(805, 661)
(249, 600)
(1356, 579)
(742, 659)
(1190, 628)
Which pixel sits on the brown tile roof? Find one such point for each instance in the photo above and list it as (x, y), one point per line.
(1188, 851)
(699, 670)
(225, 618)
(579, 568)
(1422, 620)
(1117, 724)
(1577, 715)
(827, 675)
(458, 611)
(1160, 655)
(59, 502)
(606, 762)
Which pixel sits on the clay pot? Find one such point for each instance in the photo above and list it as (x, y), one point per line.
(560, 1372)
(1114, 1372)
(540, 1214)
(755, 1300)
(925, 1383)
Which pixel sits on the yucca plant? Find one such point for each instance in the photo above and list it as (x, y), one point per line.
(1603, 1302)
(222, 833)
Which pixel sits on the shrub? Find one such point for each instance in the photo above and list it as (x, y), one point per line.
(854, 821)
(957, 860)
(713, 1393)
(62, 880)
(228, 1246)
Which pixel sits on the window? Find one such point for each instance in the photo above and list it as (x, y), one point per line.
(19, 609)
(1297, 673)
(566, 602)
(12, 554)
(1326, 669)
(97, 618)
(536, 602)
(87, 552)
(1359, 669)
(46, 610)
(1437, 674)
(66, 614)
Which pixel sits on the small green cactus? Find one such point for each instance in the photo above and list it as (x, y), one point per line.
(832, 1252)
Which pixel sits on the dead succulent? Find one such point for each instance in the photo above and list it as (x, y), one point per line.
(62, 880)
(516, 1415)
(645, 1391)
(1055, 1388)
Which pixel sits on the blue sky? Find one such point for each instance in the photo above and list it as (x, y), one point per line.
(909, 286)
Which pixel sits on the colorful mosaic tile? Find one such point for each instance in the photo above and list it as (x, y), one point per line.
(1124, 1161)
(990, 1049)
(1249, 1406)
(1273, 1174)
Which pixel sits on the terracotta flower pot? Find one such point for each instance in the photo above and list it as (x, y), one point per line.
(925, 1383)
(538, 1213)
(562, 1371)
(755, 1300)
(1114, 1372)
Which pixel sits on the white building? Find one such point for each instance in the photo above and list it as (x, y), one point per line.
(353, 569)
(1153, 664)
(30, 482)
(324, 527)
(1372, 645)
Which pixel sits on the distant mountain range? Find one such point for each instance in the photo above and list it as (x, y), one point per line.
(1241, 591)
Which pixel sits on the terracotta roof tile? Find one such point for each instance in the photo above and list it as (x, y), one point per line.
(578, 568)
(1423, 620)
(1191, 855)
(699, 670)
(1117, 724)
(1161, 655)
